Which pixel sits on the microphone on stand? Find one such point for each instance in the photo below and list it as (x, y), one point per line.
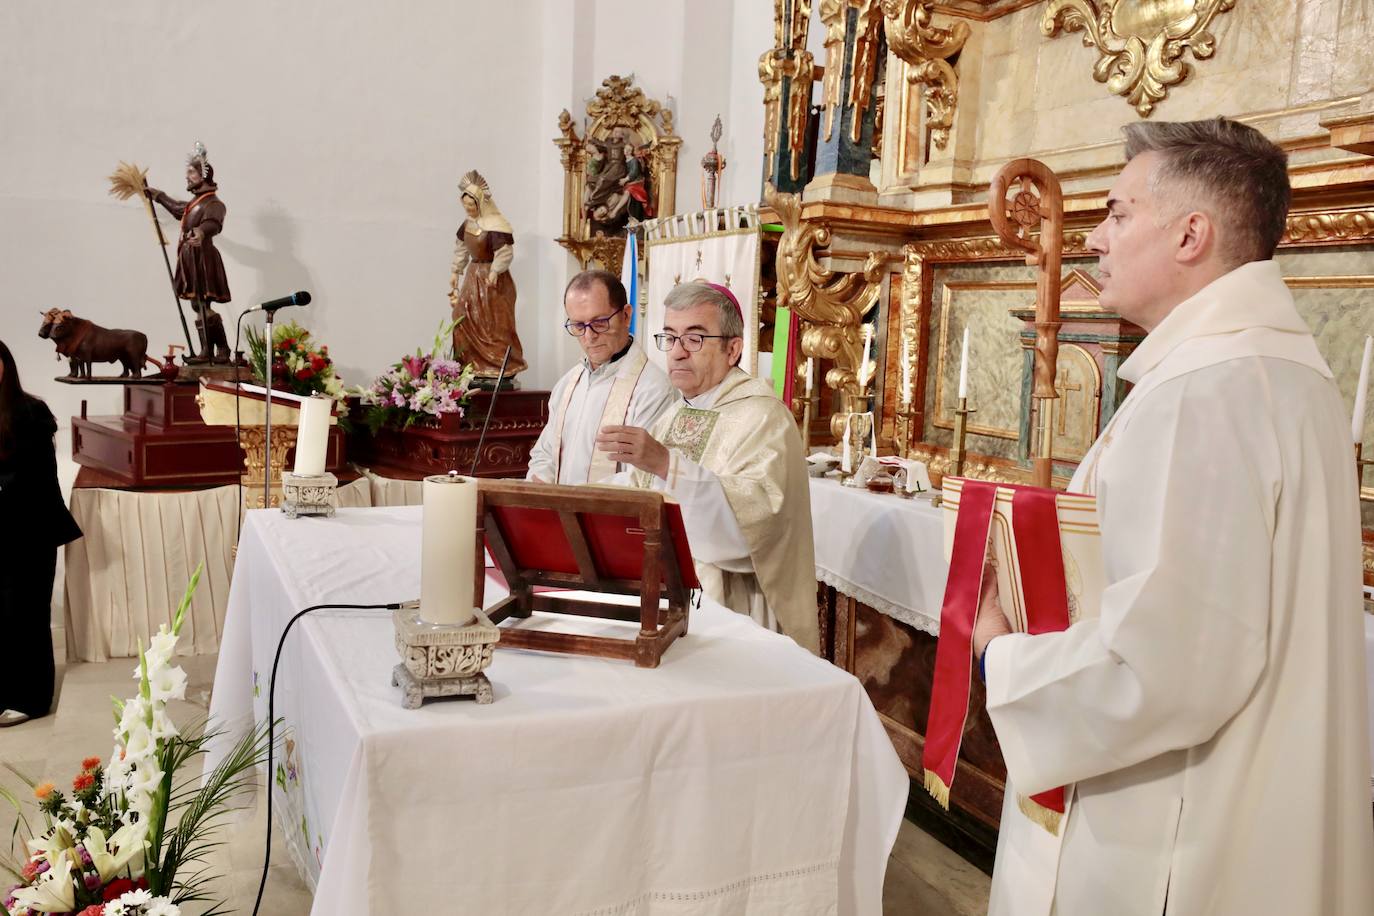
(271, 306)
(477, 456)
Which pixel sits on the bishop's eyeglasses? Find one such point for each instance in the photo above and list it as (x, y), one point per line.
(690, 342)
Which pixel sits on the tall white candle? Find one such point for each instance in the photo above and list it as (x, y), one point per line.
(846, 461)
(448, 540)
(312, 436)
(1361, 391)
(906, 377)
(865, 373)
(810, 365)
(963, 367)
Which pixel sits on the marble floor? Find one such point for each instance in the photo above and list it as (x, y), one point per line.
(924, 878)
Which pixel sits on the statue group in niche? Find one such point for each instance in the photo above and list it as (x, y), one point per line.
(618, 192)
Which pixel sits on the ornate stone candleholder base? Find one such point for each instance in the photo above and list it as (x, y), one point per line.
(440, 660)
(308, 494)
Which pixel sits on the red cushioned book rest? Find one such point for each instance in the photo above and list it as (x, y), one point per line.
(610, 540)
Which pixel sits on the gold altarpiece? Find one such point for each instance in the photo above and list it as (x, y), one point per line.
(920, 257)
(620, 118)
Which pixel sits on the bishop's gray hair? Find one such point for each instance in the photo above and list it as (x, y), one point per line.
(1233, 172)
(686, 295)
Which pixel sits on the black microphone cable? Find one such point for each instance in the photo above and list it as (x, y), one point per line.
(272, 720)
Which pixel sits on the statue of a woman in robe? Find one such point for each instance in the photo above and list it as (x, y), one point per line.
(482, 292)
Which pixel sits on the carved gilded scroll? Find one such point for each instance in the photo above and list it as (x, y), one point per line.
(1140, 43)
(830, 305)
(926, 50)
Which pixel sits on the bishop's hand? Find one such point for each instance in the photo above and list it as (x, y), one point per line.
(991, 620)
(633, 445)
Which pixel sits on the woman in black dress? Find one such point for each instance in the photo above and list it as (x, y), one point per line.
(34, 522)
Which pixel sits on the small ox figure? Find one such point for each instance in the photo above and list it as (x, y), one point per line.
(84, 342)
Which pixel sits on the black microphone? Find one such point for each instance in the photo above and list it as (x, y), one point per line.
(300, 298)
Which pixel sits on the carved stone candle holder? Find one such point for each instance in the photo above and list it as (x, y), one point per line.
(308, 494)
(442, 660)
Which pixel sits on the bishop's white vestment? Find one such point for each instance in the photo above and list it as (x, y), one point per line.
(738, 468)
(627, 390)
(1212, 722)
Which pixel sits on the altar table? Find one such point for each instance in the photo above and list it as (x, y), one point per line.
(886, 551)
(744, 775)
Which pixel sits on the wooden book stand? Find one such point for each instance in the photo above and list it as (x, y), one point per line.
(597, 539)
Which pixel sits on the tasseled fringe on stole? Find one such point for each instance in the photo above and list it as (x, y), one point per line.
(937, 788)
(1039, 814)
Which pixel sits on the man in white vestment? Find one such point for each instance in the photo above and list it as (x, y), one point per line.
(1210, 726)
(614, 384)
(731, 454)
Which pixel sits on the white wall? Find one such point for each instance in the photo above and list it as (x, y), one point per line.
(338, 132)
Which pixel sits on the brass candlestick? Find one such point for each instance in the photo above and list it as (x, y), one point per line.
(957, 452)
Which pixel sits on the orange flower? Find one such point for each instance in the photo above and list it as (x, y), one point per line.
(83, 782)
(90, 763)
(43, 791)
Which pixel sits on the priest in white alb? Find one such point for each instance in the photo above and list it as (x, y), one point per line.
(614, 384)
(1210, 727)
(731, 454)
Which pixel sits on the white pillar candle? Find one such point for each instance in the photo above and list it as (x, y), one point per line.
(963, 367)
(809, 368)
(448, 540)
(1361, 391)
(312, 436)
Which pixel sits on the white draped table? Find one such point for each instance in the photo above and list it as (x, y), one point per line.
(886, 551)
(125, 576)
(742, 776)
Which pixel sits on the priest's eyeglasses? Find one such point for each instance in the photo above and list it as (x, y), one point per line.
(597, 325)
(690, 342)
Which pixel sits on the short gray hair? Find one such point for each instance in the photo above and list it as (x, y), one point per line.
(695, 292)
(1230, 166)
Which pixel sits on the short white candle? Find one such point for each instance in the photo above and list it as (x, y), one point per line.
(1361, 391)
(448, 541)
(312, 436)
(963, 368)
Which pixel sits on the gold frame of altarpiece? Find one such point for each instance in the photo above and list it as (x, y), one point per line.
(617, 106)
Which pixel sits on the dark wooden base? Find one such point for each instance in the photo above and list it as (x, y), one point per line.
(160, 441)
(896, 664)
(645, 650)
(451, 445)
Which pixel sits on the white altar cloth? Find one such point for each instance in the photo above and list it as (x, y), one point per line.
(742, 776)
(886, 551)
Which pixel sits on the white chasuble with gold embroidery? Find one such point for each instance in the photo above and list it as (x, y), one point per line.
(738, 469)
(1212, 720)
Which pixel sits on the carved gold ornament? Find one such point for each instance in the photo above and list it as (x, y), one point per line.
(830, 305)
(1140, 42)
(787, 59)
(863, 61)
(619, 114)
(926, 50)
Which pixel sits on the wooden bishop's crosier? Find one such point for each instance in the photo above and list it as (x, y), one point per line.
(1025, 193)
